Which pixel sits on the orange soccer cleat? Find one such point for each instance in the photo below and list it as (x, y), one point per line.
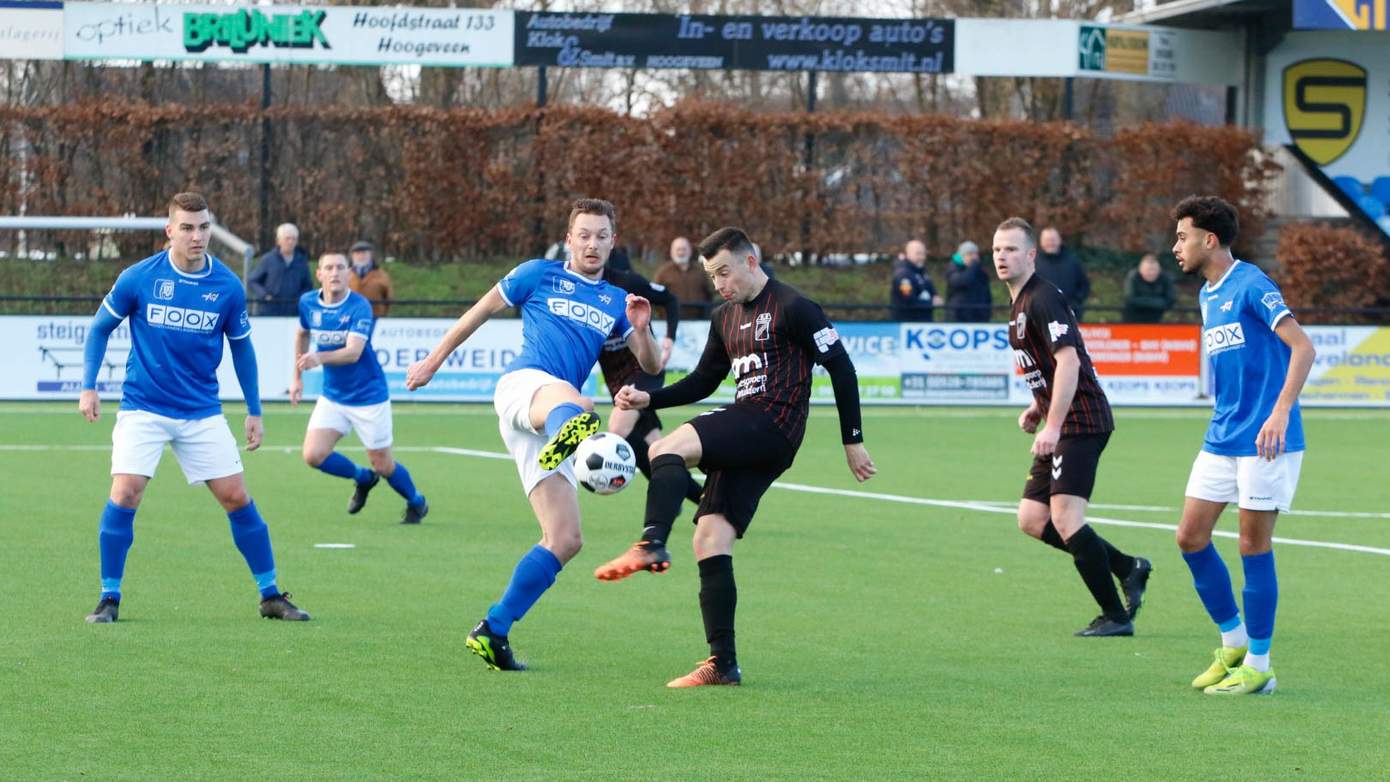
(644, 555)
(708, 673)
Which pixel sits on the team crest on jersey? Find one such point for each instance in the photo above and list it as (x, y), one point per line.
(318, 318)
(561, 285)
(1021, 323)
(763, 327)
(164, 289)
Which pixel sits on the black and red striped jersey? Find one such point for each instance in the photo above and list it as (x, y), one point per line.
(616, 361)
(1040, 324)
(771, 345)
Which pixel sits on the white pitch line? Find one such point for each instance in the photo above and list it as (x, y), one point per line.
(988, 506)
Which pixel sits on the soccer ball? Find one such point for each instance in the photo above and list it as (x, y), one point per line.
(604, 463)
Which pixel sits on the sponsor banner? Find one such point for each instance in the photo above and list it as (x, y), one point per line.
(760, 43)
(31, 30)
(929, 363)
(1328, 96)
(1352, 366)
(1123, 52)
(1341, 14)
(342, 35)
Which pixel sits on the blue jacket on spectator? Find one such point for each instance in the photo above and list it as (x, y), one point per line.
(283, 282)
(912, 293)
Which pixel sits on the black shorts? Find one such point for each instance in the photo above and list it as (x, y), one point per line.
(1071, 469)
(742, 453)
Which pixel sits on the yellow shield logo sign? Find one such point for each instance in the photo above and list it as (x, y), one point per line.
(1324, 103)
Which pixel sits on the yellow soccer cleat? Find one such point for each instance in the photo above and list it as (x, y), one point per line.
(1227, 658)
(567, 440)
(1244, 680)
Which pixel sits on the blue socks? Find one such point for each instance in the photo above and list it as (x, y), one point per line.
(117, 533)
(400, 481)
(1213, 582)
(252, 539)
(342, 467)
(533, 575)
(558, 416)
(1261, 595)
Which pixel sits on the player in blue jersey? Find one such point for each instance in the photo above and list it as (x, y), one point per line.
(567, 312)
(181, 303)
(1253, 449)
(355, 397)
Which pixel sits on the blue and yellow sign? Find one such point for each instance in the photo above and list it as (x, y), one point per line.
(1340, 14)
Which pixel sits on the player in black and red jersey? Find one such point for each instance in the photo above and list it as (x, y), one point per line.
(640, 428)
(770, 336)
(1076, 424)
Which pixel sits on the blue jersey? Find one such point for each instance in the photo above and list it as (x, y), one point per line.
(1248, 360)
(362, 382)
(565, 318)
(176, 325)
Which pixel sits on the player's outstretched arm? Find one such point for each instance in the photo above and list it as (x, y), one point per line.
(422, 371)
(1270, 441)
(640, 341)
(348, 354)
(248, 376)
(98, 335)
(301, 347)
(702, 381)
(845, 382)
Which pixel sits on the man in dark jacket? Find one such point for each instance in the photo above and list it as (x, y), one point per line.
(1148, 292)
(967, 286)
(1059, 266)
(281, 276)
(913, 294)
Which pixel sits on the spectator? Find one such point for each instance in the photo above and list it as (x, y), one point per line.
(1148, 292)
(370, 280)
(686, 281)
(1059, 266)
(967, 286)
(282, 275)
(913, 295)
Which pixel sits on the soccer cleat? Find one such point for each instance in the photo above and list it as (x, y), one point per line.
(495, 649)
(708, 673)
(359, 494)
(1244, 680)
(644, 555)
(1103, 627)
(567, 440)
(414, 514)
(1226, 659)
(105, 612)
(280, 607)
(1135, 584)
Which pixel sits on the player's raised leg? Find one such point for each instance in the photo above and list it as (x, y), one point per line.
(566, 417)
(641, 429)
(319, 442)
(672, 456)
(252, 538)
(398, 478)
(116, 536)
(1092, 560)
(556, 506)
(714, 548)
(1212, 581)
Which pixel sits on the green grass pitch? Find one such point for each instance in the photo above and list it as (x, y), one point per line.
(879, 639)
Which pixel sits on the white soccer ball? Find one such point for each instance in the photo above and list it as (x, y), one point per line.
(604, 463)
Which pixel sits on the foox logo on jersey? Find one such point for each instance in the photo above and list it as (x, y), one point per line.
(1223, 337)
(593, 317)
(180, 318)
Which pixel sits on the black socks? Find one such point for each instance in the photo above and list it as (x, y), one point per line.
(670, 481)
(1092, 561)
(718, 599)
(1121, 564)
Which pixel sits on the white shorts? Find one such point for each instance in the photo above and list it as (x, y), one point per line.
(512, 401)
(204, 447)
(1251, 482)
(371, 422)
